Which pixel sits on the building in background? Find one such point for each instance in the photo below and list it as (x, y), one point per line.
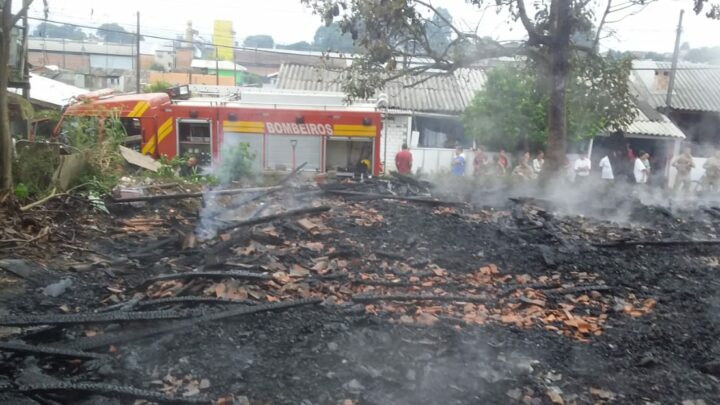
(695, 103)
(223, 39)
(86, 64)
(426, 116)
(220, 68)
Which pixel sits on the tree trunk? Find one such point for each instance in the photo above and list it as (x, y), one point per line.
(6, 148)
(559, 69)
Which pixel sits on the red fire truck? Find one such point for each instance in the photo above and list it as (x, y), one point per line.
(326, 138)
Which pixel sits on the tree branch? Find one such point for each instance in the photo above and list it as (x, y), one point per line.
(23, 11)
(596, 42)
(442, 17)
(533, 35)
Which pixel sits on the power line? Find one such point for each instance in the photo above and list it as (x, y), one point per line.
(202, 43)
(242, 48)
(75, 17)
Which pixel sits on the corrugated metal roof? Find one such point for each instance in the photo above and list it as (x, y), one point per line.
(440, 94)
(446, 94)
(696, 88)
(52, 92)
(655, 126)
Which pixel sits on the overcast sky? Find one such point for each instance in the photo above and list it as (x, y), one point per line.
(652, 29)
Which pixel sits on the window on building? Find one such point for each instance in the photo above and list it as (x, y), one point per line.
(440, 132)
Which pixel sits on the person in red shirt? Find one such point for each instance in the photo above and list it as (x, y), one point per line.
(479, 162)
(502, 162)
(403, 160)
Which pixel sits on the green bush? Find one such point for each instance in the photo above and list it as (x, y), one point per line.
(157, 87)
(105, 163)
(35, 166)
(236, 163)
(21, 191)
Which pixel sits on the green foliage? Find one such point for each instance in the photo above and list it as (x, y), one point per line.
(99, 184)
(97, 203)
(21, 191)
(102, 148)
(34, 167)
(252, 79)
(115, 33)
(332, 38)
(510, 112)
(259, 41)
(297, 46)
(26, 109)
(46, 120)
(157, 87)
(157, 67)
(236, 163)
(169, 169)
(64, 31)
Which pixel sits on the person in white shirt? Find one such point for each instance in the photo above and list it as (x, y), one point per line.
(538, 162)
(582, 168)
(641, 171)
(606, 169)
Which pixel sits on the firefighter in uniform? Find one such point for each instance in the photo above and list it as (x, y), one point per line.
(712, 172)
(684, 165)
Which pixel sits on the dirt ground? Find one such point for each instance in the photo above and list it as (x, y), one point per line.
(494, 301)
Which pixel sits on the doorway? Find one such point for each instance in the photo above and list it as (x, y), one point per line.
(345, 154)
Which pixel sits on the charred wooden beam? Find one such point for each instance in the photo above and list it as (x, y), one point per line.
(274, 217)
(419, 297)
(534, 286)
(111, 317)
(579, 289)
(270, 190)
(158, 244)
(94, 342)
(412, 181)
(181, 196)
(192, 300)
(20, 347)
(629, 243)
(108, 390)
(424, 200)
(389, 255)
(238, 274)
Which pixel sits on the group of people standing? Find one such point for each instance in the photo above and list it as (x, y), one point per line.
(625, 166)
(615, 166)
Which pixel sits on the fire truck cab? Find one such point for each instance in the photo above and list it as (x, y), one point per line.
(280, 137)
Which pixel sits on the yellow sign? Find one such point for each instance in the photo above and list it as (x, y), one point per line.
(354, 130)
(224, 39)
(248, 127)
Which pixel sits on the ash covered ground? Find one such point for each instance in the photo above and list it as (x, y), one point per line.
(471, 296)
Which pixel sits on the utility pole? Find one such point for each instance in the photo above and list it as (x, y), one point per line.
(676, 55)
(137, 56)
(217, 70)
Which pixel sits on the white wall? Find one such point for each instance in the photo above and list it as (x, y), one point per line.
(398, 128)
(112, 62)
(437, 160)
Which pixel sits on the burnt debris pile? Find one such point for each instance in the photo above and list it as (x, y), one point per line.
(369, 291)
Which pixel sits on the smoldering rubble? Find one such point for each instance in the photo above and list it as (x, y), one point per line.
(385, 291)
